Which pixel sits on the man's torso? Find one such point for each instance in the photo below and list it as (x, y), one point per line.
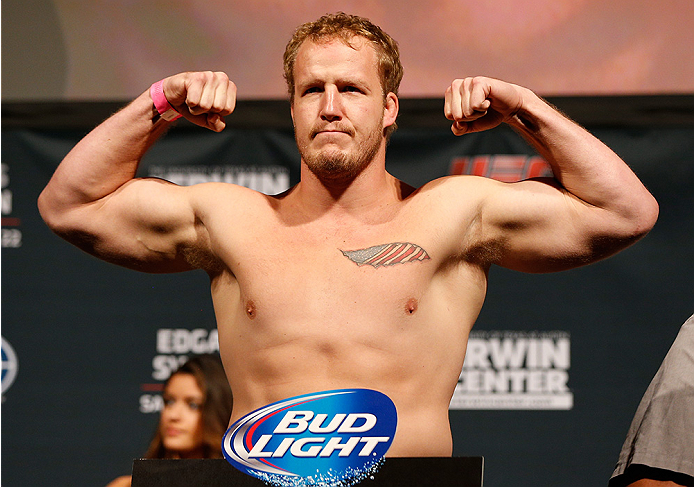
(313, 304)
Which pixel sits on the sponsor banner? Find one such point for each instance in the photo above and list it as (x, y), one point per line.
(331, 438)
(109, 361)
(513, 401)
(515, 370)
(265, 179)
(502, 167)
(10, 366)
(11, 225)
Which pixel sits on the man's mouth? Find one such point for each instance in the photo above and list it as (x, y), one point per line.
(332, 130)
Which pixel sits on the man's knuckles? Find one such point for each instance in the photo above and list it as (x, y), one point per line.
(210, 92)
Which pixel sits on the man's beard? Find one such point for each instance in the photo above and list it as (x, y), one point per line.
(335, 165)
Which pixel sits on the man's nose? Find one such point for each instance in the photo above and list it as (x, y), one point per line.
(331, 109)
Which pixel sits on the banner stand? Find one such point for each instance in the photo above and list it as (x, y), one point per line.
(395, 472)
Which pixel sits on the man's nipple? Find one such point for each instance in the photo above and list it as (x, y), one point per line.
(411, 306)
(250, 309)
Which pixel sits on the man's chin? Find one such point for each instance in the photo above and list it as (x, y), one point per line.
(336, 176)
(334, 164)
(335, 170)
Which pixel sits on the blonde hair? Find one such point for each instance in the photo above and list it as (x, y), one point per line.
(344, 27)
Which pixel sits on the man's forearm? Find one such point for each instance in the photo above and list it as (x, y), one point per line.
(106, 158)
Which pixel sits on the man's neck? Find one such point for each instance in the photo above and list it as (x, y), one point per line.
(371, 195)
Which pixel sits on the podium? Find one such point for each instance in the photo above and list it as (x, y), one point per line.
(395, 472)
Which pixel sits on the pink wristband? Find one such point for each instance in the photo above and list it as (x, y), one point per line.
(166, 111)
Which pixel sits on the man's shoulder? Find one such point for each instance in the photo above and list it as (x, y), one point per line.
(229, 198)
(450, 202)
(459, 186)
(226, 191)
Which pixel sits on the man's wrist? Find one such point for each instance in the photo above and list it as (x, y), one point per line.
(162, 105)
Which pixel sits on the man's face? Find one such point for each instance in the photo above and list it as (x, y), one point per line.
(339, 111)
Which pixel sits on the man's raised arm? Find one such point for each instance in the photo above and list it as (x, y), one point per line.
(94, 200)
(593, 208)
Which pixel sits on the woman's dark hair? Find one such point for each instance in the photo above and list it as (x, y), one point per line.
(216, 409)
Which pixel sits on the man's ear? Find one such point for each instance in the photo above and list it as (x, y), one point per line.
(390, 110)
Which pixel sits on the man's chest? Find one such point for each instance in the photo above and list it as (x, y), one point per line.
(318, 269)
(328, 283)
(349, 257)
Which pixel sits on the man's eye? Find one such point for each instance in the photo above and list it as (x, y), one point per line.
(313, 89)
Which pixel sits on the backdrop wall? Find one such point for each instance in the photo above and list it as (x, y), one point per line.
(105, 50)
(87, 345)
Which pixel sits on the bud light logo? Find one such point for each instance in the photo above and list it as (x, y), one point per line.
(331, 438)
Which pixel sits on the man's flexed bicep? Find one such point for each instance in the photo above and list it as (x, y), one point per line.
(146, 224)
(539, 226)
(94, 200)
(595, 205)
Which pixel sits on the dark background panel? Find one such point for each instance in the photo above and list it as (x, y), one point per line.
(85, 332)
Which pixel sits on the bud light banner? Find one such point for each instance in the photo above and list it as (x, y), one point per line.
(328, 438)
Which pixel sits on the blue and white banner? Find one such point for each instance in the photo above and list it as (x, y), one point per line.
(327, 438)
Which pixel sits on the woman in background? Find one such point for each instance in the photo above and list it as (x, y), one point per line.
(197, 408)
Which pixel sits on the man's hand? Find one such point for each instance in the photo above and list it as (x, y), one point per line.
(204, 98)
(477, 104)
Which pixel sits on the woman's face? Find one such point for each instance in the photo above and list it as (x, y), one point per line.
(181, 419)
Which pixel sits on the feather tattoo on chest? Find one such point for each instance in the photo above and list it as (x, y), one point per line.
(387, 254)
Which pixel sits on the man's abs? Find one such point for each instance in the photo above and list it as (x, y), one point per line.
(405, 341)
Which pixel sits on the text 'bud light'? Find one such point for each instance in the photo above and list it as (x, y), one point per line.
(326, 438)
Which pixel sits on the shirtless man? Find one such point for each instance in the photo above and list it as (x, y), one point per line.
(302, 304)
